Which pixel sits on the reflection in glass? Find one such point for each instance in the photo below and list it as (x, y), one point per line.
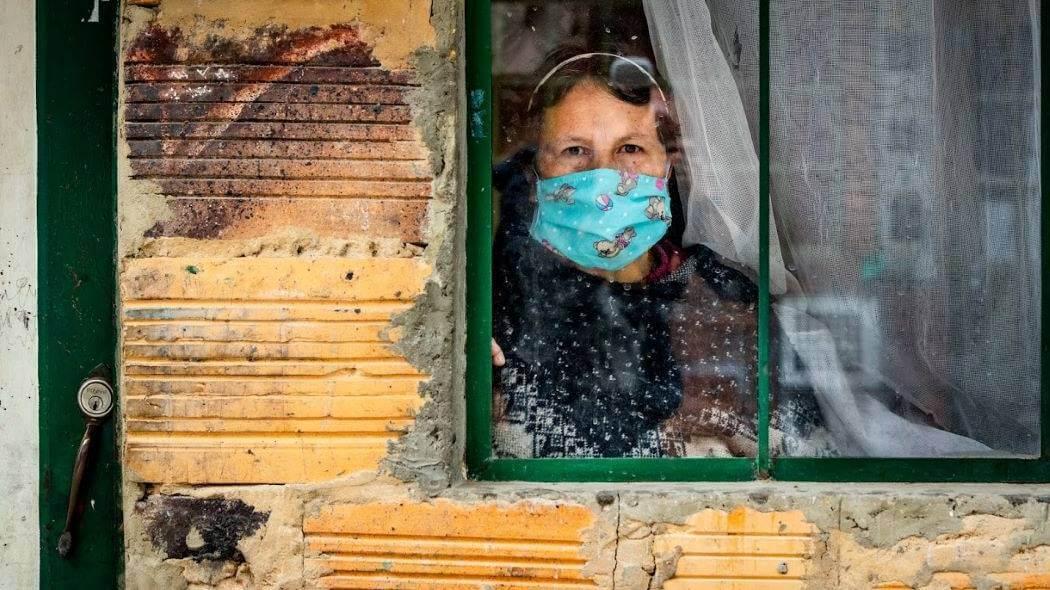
(905, 178)
(606, 318)
(903, 249)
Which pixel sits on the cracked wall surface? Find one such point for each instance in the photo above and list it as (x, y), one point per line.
(285, 212)
(291, 247)
(375, 533)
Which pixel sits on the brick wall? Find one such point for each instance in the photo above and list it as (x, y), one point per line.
(291, 265)
(257, 367)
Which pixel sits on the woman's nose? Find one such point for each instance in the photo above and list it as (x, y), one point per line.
(604, 161)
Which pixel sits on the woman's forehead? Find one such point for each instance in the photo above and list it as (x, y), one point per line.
(588, 110)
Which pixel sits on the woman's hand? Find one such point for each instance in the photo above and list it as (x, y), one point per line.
(498, 360)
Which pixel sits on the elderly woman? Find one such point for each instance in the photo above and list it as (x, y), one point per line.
(611, 339)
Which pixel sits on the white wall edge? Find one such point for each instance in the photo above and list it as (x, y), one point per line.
(19, 433)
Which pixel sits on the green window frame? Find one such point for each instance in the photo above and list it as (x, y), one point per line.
(482, 465)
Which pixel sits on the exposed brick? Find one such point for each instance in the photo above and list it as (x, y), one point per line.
(400, 150)
(262, 370)
(742, 549)
(266, 73)
(238, 127)
(424, 546)
(267, 111)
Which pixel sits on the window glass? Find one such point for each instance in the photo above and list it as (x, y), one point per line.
(623, 335)
(903, 246)
(905, 175)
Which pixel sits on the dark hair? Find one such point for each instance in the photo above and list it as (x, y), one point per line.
(625, 82)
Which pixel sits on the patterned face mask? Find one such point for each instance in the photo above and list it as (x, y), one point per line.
(601, 218)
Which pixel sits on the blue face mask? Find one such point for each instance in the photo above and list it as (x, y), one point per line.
(601, 218)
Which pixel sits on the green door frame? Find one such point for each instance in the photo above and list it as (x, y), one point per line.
(76, 233)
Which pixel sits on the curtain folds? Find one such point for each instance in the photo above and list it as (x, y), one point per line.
(905, 191)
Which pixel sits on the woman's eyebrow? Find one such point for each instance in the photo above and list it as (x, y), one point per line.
(632, 137)
(573, 139)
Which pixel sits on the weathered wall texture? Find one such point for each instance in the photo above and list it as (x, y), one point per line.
(273, 213)
(291, 277)
(19, 448)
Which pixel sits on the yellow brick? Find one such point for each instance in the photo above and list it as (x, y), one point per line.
(742, 549)
(1023, 580)
(549, 552)
(456, 566)
(532, 521)
(951, 581)
(273, 279)
(735, 545)
(151, 332)
(745, 521)
(375, 431)
(423, 546)
(260, 350)
(289, 368)
(301, 407)
(732, 584)
(739, 566)
(247, 385)
(239, 459)
(189, 311)
(261, 370)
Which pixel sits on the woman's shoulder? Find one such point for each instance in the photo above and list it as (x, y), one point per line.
(724, 279)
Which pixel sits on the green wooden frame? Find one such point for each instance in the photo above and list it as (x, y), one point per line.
(481, 464)
(76, 213)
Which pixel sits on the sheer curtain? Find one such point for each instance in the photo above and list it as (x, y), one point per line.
(905, 188)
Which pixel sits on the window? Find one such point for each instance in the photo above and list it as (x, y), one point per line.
(734, 240)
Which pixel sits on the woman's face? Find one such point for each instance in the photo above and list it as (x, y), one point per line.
(590, 128)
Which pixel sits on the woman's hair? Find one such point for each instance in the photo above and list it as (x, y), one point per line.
(620, 76)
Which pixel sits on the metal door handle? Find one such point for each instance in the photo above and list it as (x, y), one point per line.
(95, 398)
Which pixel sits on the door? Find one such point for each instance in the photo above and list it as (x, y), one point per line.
(76, 203)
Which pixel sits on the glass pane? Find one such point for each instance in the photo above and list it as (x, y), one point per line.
(905, 180)
(624, 296)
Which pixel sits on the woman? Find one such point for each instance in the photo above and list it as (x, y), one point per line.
(611, 339)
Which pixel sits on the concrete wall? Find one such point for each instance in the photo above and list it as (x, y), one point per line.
(19, 449)
(291, 281)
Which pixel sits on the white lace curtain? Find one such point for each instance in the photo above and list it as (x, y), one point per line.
(905, 186)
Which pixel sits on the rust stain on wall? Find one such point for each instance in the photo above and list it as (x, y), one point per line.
(293, 128)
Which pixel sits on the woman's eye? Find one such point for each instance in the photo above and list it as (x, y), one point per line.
(574, 151)
(631, 148)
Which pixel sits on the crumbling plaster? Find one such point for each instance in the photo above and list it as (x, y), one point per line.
(865, 536)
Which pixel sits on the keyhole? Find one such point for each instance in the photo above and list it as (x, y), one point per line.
(95, 403)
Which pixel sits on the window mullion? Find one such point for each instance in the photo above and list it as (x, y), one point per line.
(479, 229)
(1044, 229)
(763, 462)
